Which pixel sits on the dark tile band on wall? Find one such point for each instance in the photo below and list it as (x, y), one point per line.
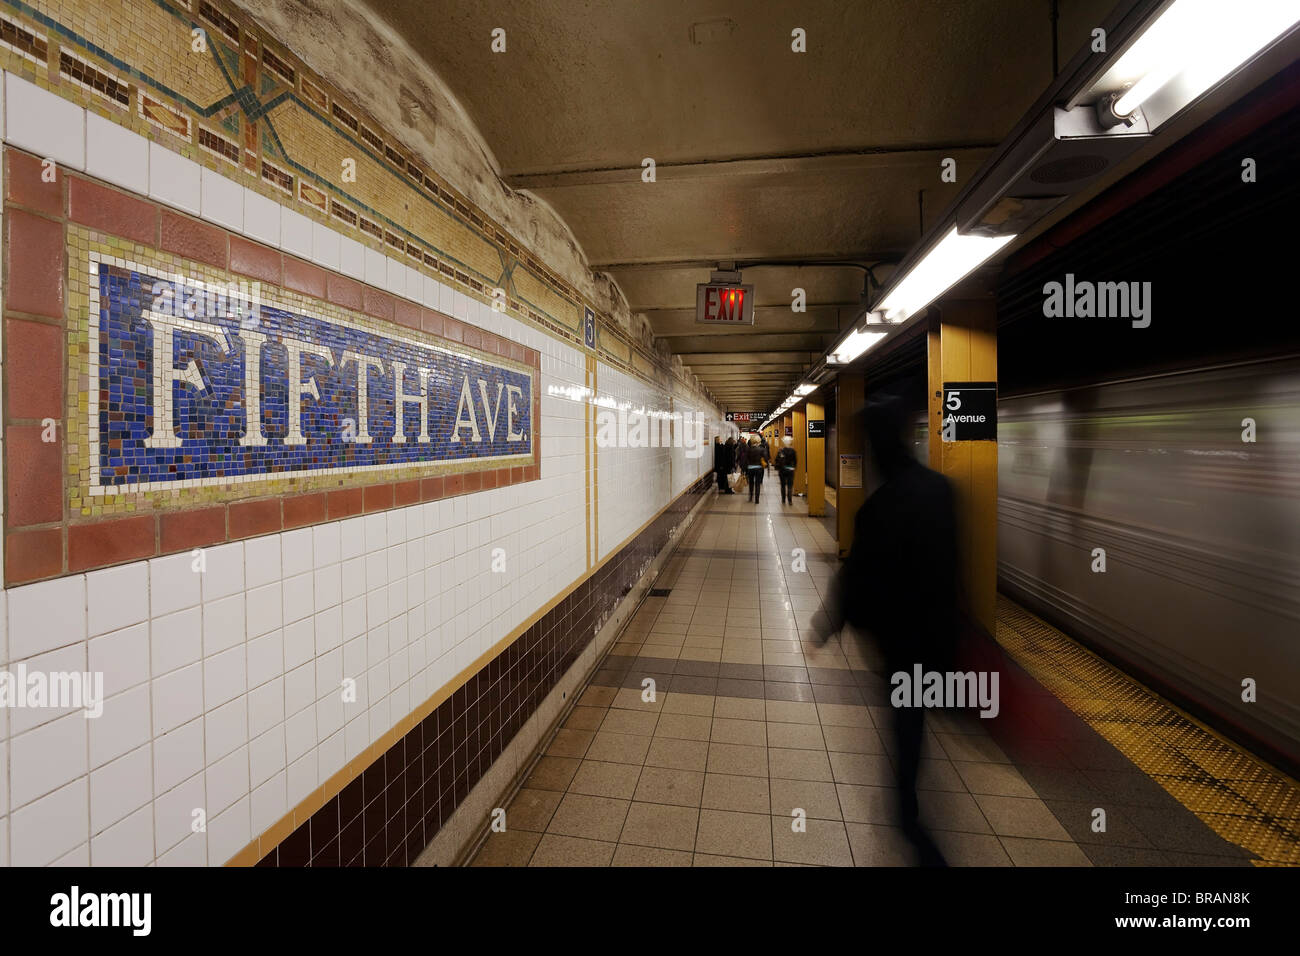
(394, 809)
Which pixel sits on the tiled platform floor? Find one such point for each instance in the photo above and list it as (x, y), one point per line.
(751, 719)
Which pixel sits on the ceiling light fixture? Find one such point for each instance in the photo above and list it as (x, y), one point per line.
(946, 263)
(1188, 48)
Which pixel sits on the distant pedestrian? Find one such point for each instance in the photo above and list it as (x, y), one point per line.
(786, 461)
(755, 462)
(722, 455)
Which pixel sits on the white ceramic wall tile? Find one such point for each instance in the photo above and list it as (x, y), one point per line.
(266, 754)
(223, 571)
(221, 200)
(229, 833)
(175, 180)
(326, 246)
(46, 616)
(269, 803)
(117, 154)
(352, 258)
(376, 270)
(414, 284)
(225, 729)
(173, 811)
(394, 276)
(227, 781)
(120, 788)
(174, 583)
(192, 851)
(223, 624)
(295, 233)
(46, 758)
(48, 828)
(127, 843)
(78, 857)
(124, 725)
(225, 677)
(116, 597)
(265, 707)
(44, 123)
(177, 698)
(176, 641)
(177, 756)
(121, 657)
(261, 218)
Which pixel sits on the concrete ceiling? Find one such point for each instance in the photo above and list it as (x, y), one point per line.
(762, 154)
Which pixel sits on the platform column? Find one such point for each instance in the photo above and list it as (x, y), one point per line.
(799, 427)
(816, 468)
(850, 397)
(963, 333)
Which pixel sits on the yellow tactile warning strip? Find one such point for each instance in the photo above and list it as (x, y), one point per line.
(1238, 796)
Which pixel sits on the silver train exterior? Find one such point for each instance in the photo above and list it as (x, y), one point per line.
(1200, 529)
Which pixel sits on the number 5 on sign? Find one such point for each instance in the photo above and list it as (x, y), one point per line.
(954, 401)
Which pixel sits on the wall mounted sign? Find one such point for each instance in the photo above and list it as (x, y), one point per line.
(970, 411)
(816, 428)
(850, 471)
(192, 387)
(747, 417)
(589, 329)
(724, 303)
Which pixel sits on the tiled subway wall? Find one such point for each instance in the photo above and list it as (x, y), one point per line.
(222, 667)
(389, 814)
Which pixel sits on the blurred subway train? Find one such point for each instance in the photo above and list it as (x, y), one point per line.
(1185, 487)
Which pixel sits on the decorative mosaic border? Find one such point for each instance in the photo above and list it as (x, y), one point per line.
(234, 112)
(86, 251)
(50, 231)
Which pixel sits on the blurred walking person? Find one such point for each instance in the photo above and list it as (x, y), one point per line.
(786, 460)
(900, 584)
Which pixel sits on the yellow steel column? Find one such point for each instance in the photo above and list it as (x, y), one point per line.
(799, 425)
(968, 352)
(935, 392)
(850, 397)
(816, 468)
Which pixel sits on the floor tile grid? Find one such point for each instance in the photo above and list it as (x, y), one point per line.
(701, 574)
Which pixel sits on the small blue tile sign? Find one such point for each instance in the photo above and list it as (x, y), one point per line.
(589, 329)
(195, 385)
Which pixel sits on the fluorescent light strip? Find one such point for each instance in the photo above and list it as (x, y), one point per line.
(854, 344)
(1194, 43)
(949, 261)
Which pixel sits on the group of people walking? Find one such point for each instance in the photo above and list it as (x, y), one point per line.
(751, 459)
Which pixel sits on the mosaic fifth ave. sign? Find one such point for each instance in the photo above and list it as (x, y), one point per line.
(192, 386)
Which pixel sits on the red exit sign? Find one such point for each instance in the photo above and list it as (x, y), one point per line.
(724, 303)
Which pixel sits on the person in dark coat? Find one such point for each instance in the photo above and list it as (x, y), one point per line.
(900, 584)
(731, 461)
(720, 464)
(755, 462)
(786, 461)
